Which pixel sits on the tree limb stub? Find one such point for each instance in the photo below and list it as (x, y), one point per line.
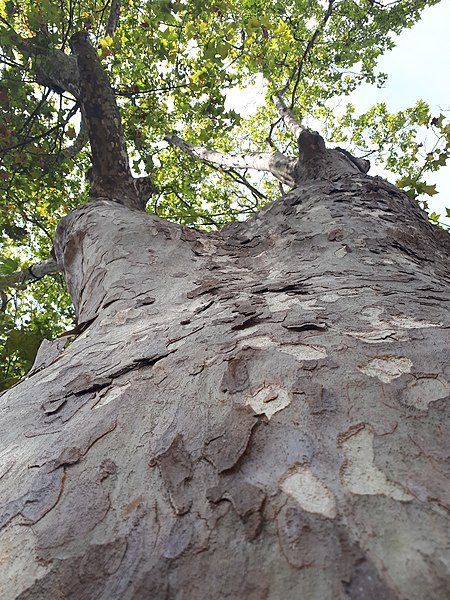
(281, 167)
(111, 175)
(316, 161)
(312, 150)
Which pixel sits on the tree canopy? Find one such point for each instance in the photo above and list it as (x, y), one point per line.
(171, 65)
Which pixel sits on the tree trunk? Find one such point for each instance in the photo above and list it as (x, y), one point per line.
(257, 413)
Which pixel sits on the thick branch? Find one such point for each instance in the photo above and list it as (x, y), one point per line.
(111, 175)
(318, 162)
(113, 18)
(53, 68)
(32, 273)
(281, 167)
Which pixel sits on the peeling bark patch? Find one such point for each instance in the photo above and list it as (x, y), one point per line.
(18, 570)
(228, 444)
(111, 393)
(306, 540)
(175, 466)
(310, 493)
(236, 377)
(45, 490)
(409, 323)
(307, 326)
(179, 539)
(247, 501)
(131, 506)
(304, 352)
(299, 351)
(424, 390)
(360, 475)
(79, 510)
(343, 250)
(269, 400)
(280, 301)
(207, 287)
(374, 337)
(387, 368)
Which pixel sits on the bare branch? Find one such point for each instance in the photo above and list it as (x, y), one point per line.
(299, 69)
(281, 167)
(32, 273)
(287, 115)
(79, 143)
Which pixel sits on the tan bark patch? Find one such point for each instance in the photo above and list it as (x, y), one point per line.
(387, 368)
(424, 390)
(19, 571)
(360, 475)
(310, 493)
(269, 400)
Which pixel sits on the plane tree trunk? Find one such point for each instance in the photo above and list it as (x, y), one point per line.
(257, 413)
(254, 413)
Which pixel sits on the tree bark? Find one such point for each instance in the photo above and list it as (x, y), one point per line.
(255, 413)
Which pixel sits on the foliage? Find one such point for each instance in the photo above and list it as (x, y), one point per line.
(393, 138)
(171, 64)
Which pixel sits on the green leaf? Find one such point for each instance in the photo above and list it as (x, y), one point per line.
(430, 190)
(8, 265)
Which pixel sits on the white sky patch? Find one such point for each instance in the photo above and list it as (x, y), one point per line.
(246, 101)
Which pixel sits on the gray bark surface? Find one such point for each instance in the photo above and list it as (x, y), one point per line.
(258, 413)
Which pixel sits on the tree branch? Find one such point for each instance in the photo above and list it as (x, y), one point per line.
(287, 115)
(79, 143)
(32, 273)
(53, 68)
(113, 18)
(111, 174)
(308, 49)
(281, 167)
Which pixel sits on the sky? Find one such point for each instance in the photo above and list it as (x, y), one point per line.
(417, 69)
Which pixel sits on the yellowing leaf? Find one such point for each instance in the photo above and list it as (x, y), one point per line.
(106, 41)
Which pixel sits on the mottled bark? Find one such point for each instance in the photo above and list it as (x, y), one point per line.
(256, 413)
(294, 126)
(111, 174)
